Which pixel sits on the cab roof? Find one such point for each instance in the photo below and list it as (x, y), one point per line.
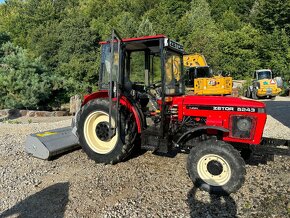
(142, 38)
(143, 43)
(148, 43)
(263, 70)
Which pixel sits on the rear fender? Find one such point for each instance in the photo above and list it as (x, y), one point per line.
(138, 115)
(191, 131)
(123, 101)
(95, 95)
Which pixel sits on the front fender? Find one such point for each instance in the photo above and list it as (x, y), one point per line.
(200, 128)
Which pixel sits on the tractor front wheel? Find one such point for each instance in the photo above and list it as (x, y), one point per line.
(94, 135)
(216, 167)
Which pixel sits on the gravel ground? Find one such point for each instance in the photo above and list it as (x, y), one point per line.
(144, 186)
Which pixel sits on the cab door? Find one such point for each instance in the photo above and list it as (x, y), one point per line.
(114, 78)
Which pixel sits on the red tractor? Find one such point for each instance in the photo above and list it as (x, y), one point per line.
(150, 107)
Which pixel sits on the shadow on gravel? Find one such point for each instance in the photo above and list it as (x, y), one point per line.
(279, 110)
(49, 202)
(219, 206)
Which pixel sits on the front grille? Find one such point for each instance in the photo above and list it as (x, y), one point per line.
(174, 111)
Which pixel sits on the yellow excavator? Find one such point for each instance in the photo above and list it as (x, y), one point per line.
(201, 81)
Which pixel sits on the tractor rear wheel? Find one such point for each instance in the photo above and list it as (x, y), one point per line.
(216, 167)
(93, 132)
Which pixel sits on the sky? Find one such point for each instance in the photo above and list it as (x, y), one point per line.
(1, 1)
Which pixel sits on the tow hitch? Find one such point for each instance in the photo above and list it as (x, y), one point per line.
(273, 146)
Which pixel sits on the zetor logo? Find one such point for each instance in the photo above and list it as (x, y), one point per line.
(240, 109)
(223, 108)
(246, 109)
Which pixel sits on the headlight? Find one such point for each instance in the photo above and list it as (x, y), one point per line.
(242, 127)
(244, 124)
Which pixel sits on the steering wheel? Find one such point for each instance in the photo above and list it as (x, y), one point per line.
(155, 85)
(157, 89)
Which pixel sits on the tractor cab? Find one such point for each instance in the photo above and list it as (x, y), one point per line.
(142, 63)
(147, 71)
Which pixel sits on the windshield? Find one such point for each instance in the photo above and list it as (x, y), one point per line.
(203, 72)
(199, 72)
(173, 73)
(196, 72)
(264, 75)
(106, 65)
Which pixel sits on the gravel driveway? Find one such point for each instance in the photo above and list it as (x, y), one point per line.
(144, 186)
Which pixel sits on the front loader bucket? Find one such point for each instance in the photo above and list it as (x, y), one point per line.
(46, 144)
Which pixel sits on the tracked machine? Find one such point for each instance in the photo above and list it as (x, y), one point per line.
(200, 79)
(154, 113)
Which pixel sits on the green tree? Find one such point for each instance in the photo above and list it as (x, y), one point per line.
(230, 21)
(242, 8)
(65, 34)
(239, 52)
(269, 15)
(3, 39)
(145, 27)
(274, 52)
(24, 82)
(165, 16)
(198, 31)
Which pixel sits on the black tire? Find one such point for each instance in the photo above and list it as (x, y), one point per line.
(247, 93)
(254, 94)
(216, 156)
(125, 136)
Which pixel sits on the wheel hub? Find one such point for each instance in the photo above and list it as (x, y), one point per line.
(214, 170)
(102, 131)
(214, 167)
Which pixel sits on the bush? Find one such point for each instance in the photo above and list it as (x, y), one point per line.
(24, 81)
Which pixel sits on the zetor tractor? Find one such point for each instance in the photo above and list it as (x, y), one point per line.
(155, 112)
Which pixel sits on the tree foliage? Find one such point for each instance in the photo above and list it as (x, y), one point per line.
(24, 82)
(56, 42)
(270, 15)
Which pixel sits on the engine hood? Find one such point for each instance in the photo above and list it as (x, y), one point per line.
(221, 101)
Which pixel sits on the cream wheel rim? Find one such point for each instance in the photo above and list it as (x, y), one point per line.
(214, 170)
(92, 139)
